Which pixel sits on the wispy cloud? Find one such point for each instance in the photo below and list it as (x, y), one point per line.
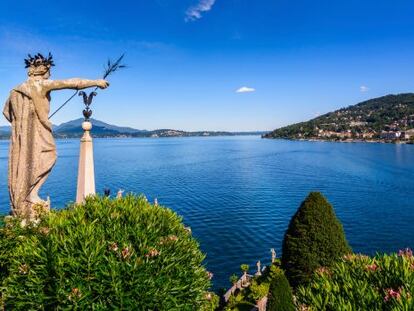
(195, 12)
(245, 89)
(363, 89)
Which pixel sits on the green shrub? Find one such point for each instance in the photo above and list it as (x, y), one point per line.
(244, 268)
(258, 290)
(233, 279)
(314, 238)
(357, 282)
(104, 255)
(280, 296)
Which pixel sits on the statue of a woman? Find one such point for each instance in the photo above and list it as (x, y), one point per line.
(32, 148)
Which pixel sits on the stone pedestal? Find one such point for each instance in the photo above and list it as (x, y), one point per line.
(86, 172)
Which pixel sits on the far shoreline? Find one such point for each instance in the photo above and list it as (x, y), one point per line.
(151, 137)
(348, 141)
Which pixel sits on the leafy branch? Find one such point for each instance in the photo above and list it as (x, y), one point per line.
(109, 69)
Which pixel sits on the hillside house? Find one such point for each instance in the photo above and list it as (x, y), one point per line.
(390, 134)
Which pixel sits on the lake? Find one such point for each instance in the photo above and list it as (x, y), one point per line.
(238, 193)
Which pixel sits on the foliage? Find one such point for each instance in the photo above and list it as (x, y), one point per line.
(280, 296)
(244, 267)
(258, 290)
(314, 238)
(213, 302)
(238, 303)
(104, 255)
(370, 116)
(385, 282)
(233, 279)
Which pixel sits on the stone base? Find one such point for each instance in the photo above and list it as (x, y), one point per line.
(33, 211)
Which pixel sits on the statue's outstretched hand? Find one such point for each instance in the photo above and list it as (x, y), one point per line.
(102, 84)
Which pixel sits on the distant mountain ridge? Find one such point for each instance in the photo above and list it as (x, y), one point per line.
(100, 128)
(73, 129)
(384, 118)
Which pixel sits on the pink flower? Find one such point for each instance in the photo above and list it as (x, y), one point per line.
(408, 253)
(173, 238)
(152, 253)
(323, 271)
(44, 230)
(208, 296)
(170, 238)
(210, 275)
(349, 257)
(125, 253)
(392, 294)
(372, 267)
(75, 293)
(113, 247)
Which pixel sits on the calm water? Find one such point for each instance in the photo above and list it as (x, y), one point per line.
(238, 193)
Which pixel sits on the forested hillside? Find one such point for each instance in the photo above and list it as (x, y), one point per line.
(379, 118)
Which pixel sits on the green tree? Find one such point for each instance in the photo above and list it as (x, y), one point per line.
(280, 296)
(233, 279)
(314, 238)
(244, 268)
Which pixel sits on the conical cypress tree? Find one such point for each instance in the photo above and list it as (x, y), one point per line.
(315, 238)
(280, 296)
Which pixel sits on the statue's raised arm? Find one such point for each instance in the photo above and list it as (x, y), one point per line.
(32, 147)
(74, 84)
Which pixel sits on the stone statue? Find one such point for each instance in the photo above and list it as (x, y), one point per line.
(32, 148)
(272, 250)
(259, 271)
(119, 194)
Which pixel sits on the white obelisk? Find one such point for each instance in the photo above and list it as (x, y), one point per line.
(86, 172)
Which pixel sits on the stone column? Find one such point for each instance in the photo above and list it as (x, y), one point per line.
(86, 172)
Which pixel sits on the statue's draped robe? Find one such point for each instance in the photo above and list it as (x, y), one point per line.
(32, 148)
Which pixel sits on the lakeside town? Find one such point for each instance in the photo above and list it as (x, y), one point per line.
(387, 119)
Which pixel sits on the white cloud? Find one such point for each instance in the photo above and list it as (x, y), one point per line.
(195, 12)
(363, 89)
(245, 89)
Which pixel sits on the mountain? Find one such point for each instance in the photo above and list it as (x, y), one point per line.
(73, 129)
(385, 118)
(100, 129)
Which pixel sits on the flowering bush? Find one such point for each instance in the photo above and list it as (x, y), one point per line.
(358, 282)
(105, 255)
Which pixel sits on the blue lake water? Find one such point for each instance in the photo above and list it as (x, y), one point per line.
(238, 193)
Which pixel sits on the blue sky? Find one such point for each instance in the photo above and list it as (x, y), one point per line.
(187, 58)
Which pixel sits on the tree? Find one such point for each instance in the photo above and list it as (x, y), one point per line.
(258, 292)
(280, 296)
(244, 268)
(233, 279)
(314, 238)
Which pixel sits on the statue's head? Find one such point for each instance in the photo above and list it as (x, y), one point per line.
(39, 66)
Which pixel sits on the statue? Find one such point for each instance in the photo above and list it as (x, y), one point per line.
(272, 250)
(119, 194)
(259, 271)
(32, 148)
